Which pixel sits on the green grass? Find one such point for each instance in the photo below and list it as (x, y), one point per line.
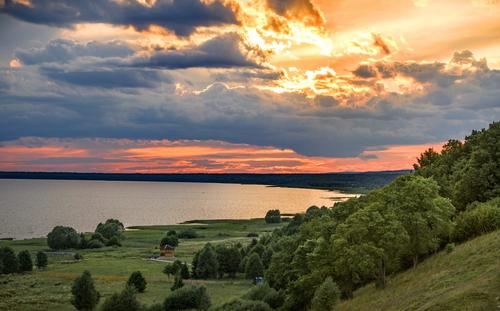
(466, 279)
(50, 289)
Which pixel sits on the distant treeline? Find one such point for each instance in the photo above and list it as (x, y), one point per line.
(340, 181)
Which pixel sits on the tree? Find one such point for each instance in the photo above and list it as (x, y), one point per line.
(273, 216)
(265, 294)
(243, 305)
(178, 283)
(123, 301)
(254, 267)
(85, 296)
(137, 281)
(111, 228)
(188, 297)
(325, 296)
(229, 259)
(171, 240)
(188, 234)
(207, 265)
(185, 271)
(25, 262)
(63, 238)
(10, 262)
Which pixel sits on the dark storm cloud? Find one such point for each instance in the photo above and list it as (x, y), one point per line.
(365, 71)
(101, 78)
(224, 51)
(181, 16)
(62, 51)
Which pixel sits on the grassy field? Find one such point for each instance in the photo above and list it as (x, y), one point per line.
(50, 288)
(466, 279)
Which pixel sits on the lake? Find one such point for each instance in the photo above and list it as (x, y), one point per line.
(31, 208)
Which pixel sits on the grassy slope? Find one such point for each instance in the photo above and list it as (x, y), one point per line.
(50, 289)
(466, 279)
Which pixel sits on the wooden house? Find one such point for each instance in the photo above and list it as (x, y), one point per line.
(167, 251)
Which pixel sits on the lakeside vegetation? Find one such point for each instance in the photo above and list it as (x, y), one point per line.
(433, 230)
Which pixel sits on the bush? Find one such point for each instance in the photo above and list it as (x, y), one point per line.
(450, 247)
(273, 216)
(25, 262)
(171, 240)
(243, 305)
(265, 294)
(85, 296)
(252, 235)
(185, 271)
(41, 260)
(478, 219)
(111, 228)
(188, 234)
(98, 237)
(178, 283)
(172, 232)
(155, 307)
(188, 297)
(114, 241)
(137, 281)
(124, 301)
(325, 296)
(95, 244)
(254, 267)
(63, 238)
(207, 265)
(78, 256)
(10, 263)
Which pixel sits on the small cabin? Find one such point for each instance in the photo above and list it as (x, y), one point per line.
(167, 251)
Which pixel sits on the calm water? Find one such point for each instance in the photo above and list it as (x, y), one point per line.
(30, 208)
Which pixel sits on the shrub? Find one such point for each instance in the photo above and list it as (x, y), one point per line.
(155, 307)
(95, 244)
(78, 256)
(83, 241)
(185, 271)
(325, 296)
(25, 262)
(207, 265)
(10, 263)
(188, 234)
(178, 283)
(172, 232)
(450, 247)
(188, 297)
(98, 237)
(265, 294)
(137, 281)
(41, 260)
(111, 228)
(124, 301)
(85, 296)
(478, 219)
(273, 216)
(252, 235)
(114, 241)
(171, 240)
(243, 305)
(63, 238)
(254, 267)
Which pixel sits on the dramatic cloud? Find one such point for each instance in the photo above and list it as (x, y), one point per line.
(181, 16)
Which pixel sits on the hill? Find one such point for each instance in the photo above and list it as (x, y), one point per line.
(466, 279)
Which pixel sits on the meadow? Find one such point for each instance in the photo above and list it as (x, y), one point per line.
(50, 288)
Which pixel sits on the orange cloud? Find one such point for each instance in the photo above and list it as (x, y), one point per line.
(188, 156)
(15, 63)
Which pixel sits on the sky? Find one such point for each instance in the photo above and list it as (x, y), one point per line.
(257, 86)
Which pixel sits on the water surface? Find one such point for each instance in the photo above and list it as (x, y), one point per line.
(31, 208)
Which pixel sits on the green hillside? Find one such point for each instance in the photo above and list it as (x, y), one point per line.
(466, 279)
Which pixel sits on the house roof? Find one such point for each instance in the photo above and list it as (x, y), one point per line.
(168, 246)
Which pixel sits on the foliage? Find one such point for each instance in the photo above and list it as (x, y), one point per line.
(63, 238)
(78, 256)
(325, 296)
(273, 216)
(252, 235)
(126, 300)
(10, 263)
(188, 297)
(98, 237)
(111, 228)
(85, 296)
(41, 260)
(450, 247)
(171, 240)
(95, 244)
(478, 219)
(188, 234)
(137, 281)
(178, 283)
(265, 294)
(229, 259)
(243, 305)
(185, 271)
(207, 265)
(254, 267)
(113, 241)
(25, 262)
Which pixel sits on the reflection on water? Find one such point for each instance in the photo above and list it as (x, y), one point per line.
(32, 207)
